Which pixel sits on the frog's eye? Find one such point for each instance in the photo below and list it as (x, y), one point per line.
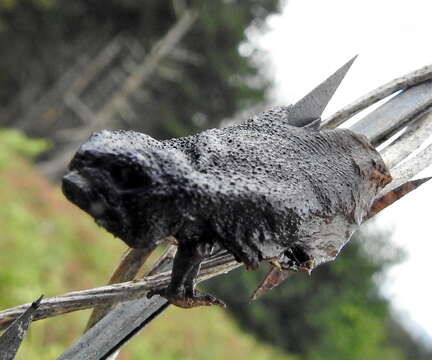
(374, 163)
(127, 177)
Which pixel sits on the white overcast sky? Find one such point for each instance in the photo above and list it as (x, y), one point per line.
(309, 41)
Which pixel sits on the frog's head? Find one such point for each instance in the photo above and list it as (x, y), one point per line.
(115, 177)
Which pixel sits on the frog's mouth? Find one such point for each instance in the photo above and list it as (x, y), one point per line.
(90, 191)
(79, 191)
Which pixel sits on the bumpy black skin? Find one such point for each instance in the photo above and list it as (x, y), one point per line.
(263, 190)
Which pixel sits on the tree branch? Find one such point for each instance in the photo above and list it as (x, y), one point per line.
(409, 141)
(80, 300)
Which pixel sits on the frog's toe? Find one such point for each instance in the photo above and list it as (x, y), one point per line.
(198, 299)
(188, 301)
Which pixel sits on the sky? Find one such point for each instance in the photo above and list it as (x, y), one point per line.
(313, 38)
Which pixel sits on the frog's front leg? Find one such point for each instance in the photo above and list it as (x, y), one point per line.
(181, 290)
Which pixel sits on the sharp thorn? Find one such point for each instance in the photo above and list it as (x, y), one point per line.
(310, 107)
(35, 304)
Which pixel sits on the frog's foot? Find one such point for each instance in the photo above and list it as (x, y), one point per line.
(197, 299)
(188, 301)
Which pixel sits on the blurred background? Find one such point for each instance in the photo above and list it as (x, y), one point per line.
(172, 68)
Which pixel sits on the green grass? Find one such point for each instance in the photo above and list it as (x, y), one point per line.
(47, 246)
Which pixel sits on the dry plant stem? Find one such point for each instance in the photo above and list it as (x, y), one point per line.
(128, 269)
(85, 299)
(396, 113)
(130, 264)
(164, 263)
(409, 141)
(408, 169)
(403, 82)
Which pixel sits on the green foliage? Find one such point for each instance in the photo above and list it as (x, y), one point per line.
(49, 247)
(12, 141)
(336, 313)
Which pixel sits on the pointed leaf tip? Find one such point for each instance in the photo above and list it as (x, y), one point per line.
(421, 181)
(310, 107)
(11, 339)
(394, 195)
(273, 278)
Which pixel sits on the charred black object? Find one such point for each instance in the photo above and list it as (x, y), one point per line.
(274, 188)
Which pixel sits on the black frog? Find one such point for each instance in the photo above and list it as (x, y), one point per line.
(271, 189)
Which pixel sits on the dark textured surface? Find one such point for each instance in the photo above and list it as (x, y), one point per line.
(263, 190)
